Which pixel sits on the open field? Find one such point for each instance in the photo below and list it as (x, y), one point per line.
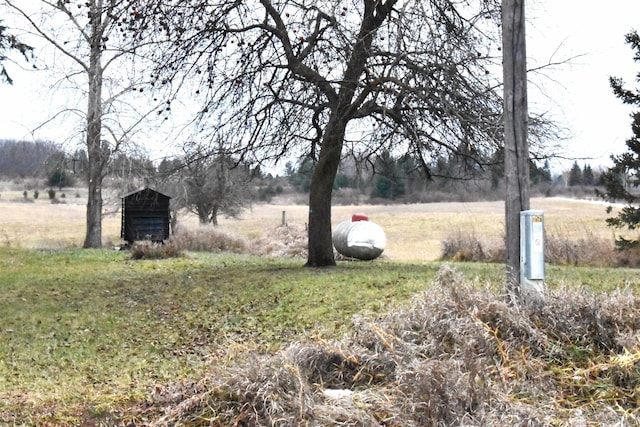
(414, 232)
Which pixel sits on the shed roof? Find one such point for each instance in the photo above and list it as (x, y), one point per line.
(145, 189)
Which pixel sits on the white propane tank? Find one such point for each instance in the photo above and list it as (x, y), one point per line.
(359, 238)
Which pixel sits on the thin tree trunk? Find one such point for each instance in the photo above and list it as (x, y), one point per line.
(214, 216)
(516, 158)
(97, 160)
(93, 237)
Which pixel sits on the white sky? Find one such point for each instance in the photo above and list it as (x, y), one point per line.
(576, 95)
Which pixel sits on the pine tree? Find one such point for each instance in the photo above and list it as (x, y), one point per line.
(587, 175)
(622, 178)
(9, 42)
(575, 175)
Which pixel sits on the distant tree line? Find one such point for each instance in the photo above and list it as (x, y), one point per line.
(210, 184)
(401, 178)
(22, 159)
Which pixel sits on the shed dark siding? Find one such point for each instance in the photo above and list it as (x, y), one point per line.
(145, 216)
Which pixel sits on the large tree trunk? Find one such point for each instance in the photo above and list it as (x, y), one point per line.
(516, 155)
(203, 215)
(97, 158)
(324, 174)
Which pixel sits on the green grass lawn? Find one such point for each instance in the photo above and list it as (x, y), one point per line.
(85, 334)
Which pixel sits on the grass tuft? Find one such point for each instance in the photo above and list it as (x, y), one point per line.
(467, 246)
(149, 250)
(560, 248)
(209, 239)
(283, 241)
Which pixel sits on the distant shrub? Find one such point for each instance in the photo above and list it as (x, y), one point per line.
(148, 250)
(59, 178)
(52, 193)
(25, 194)
(36, 194)
(628, 258)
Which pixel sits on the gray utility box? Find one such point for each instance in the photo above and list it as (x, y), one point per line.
(532, 252)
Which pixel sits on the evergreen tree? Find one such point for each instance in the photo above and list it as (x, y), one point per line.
(389, 181)
(301, 179)
(539, 175)
(622, 178)
(59, 178)
(587, 175)
(9, 42)
(575, 175)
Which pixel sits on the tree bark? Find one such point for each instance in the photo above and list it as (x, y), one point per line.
(324, 174)
(203, 215)
(93, 236)
(214, 216)
(516, 159)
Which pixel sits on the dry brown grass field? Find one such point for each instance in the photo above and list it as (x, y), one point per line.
(414, 232)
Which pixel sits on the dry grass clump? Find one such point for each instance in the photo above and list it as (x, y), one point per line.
(458, 355)
(209, 239)
(149, 250)
(628, 258)
(467, 246)
(283, 241)
(589, 250)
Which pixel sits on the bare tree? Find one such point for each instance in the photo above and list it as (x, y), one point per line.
(207, 184)
(92, 36)
(292, 78)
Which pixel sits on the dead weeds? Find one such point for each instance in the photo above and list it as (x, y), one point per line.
(458, 355)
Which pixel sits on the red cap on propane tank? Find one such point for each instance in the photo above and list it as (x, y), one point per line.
(359, 217)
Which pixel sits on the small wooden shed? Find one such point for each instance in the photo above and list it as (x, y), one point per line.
(145, 216)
